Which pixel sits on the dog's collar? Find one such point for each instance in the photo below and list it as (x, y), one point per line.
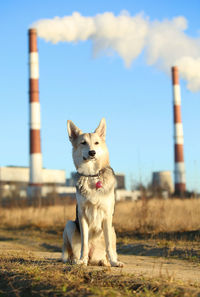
(96, 175)
(90, 175)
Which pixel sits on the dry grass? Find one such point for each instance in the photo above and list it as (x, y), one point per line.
(158, 215)
(26, 275)
(141, 216)
(41, 217)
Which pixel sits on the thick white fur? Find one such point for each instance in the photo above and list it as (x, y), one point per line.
(96, 241)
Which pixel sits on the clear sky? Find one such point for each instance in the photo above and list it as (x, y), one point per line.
(136, 101)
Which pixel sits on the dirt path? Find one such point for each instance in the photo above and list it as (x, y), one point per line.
(171, 269)
(186, 273)
(158, 267)
(144, 260)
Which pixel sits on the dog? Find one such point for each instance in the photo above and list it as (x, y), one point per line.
(91, 238)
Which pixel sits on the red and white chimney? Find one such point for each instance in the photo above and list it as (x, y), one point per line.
(34, 105)
(179, 172)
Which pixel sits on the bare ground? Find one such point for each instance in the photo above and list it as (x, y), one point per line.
(30, 266)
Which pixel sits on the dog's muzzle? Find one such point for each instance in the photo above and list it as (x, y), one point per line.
(92, 153)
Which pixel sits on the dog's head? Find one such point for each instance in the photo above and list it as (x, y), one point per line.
(90, 153)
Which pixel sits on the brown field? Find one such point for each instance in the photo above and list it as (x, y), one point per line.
(155, 216)
(158, 240)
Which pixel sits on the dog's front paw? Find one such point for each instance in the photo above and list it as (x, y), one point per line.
(81, 261)
(116, 264)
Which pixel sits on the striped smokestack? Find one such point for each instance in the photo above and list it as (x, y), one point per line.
(179, 172)
(35, 146)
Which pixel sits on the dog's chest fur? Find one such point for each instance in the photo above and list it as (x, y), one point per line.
(94, 203)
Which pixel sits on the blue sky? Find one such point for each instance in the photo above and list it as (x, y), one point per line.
(136, 102)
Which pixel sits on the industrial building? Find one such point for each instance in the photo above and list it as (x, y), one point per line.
(20, 175)
(14, 178)
(162, 180)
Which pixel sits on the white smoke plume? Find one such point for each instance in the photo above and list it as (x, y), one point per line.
(165, 43)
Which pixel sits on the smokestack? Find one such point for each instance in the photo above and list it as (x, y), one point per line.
(179, 172)
(35, 146)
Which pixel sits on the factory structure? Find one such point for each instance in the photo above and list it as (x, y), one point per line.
(179, 170)
(14, 178)
(35, 179)
(162, 180)
(35, 163)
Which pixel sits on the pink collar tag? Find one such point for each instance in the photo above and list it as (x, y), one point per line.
(99, 185)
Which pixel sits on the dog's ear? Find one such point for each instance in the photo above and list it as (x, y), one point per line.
(73, 131)
(101, 129)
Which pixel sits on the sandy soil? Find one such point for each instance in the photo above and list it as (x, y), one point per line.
(182, 271)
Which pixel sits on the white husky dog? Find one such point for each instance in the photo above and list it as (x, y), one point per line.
(91, 239)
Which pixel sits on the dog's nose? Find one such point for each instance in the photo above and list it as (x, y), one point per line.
(92, 153)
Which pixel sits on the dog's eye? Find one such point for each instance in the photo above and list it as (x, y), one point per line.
(83, 142)
(96, 142)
